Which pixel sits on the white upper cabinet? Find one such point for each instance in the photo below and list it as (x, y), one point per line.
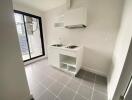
(76, 18)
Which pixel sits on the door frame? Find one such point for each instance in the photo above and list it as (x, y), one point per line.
(41, 34)
(123, 87)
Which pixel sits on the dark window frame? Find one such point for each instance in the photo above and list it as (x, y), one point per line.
(41, 34)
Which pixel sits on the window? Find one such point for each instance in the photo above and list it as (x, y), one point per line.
(29, 29)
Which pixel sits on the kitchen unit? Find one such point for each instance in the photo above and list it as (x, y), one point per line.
(80, 18)
(66, 58)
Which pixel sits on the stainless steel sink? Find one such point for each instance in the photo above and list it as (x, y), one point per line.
(72, 46)
(57, 45)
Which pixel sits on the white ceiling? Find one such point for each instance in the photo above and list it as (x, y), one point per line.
(42, 4)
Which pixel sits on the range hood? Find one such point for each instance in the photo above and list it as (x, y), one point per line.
(75, 18)
(75, 26)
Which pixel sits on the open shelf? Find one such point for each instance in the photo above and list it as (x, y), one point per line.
(71, 69)
(71, 61)
(64, 66)
(68, 63)
(67, 68)
(65, 59)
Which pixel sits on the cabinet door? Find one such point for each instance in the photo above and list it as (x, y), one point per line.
(53, 56)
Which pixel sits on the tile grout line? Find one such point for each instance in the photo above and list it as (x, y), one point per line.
(42, 93)
(100, 92)
(93, 88)
(48, 75)
(49, 90)
(87, 87)
(77, 90)
(83, 97)
(63, 88)
(81, 83)
(65, 85)
(52, 85)
(43, 87)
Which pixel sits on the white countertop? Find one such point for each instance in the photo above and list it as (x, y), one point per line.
(64, 47)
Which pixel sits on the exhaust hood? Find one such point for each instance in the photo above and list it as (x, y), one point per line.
(75, 18)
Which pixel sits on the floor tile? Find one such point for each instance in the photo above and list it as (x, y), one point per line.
(99, 96)
(88, 83)
(47, 96)
(85, 91)
(46, 83)
(56, 88)
(101, 84)
(56, 98)
(79, 97)
(38, 91)
(101, 79)
(33, 84)
(81, 74)
(89, 76)
(57, 75)
(64, 79)
(40, 77)
(74, 84)
(66, 94)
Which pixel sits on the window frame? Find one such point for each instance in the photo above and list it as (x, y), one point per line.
(41, 34)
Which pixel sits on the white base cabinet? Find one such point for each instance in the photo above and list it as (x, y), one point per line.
(65, 59)
(53, 56)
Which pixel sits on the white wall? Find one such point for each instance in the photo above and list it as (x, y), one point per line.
(13, 82)
(121, 48)
(98, 38)
(31, 10)
(125, 77)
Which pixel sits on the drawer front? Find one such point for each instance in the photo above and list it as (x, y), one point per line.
(68, 53)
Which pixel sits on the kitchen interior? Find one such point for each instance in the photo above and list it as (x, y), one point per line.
(82, 49)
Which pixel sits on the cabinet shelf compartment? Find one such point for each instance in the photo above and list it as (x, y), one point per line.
(71, 61)
(63, 66)
(72, 69)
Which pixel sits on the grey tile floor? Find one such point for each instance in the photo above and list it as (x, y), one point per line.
(48, 83)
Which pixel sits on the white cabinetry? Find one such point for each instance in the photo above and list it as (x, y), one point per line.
(53, 56)
(80, 18)
(68, 60)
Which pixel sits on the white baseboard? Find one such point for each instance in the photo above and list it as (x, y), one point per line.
(94, 71)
